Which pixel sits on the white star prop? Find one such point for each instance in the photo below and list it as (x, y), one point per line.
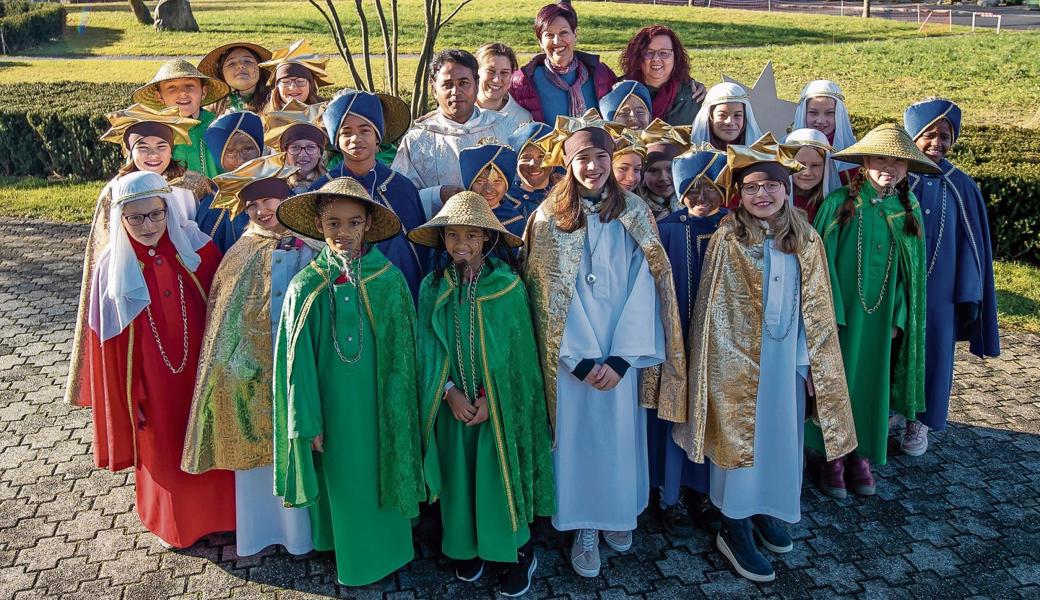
(771, 113)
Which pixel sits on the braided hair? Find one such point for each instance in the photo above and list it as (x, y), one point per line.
(848, 208)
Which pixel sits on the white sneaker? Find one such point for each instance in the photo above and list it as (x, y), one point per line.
(164, 543)
(896, 422)
(620, 541)
(915, 439)
(585, 553)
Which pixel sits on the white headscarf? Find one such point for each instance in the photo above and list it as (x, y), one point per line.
(722, 93)
(119, 292)
(843, 136)
(814, 138)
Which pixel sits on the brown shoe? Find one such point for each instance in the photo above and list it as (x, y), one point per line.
(858, 476)
(832, 478)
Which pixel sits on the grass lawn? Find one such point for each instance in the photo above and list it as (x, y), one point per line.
(110, 29)
(1018, 284)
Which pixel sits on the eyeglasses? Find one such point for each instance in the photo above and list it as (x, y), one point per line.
(295, 150)
(155, 216)
(246, 154)
(661, 54)
(293, 82)
(752, 189)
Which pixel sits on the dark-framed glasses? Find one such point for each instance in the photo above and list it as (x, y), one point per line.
(752, 189)
(155, 216)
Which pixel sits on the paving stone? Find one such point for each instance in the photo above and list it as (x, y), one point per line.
(961, 521)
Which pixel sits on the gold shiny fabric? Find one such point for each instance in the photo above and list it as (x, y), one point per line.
(550, 272)
(229, 426)
(97, 240)
(552, 143)
(299, 52)
(230, 185)
(121, 120)
(725, 345)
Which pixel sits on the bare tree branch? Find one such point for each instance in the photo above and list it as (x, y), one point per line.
(452, 14)
(365, 47)
(337, 28)
(388, 64)
(395, 87)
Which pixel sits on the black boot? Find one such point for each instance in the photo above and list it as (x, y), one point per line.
(517, 578)
(469, 570)
(676, 519)
(736, 543)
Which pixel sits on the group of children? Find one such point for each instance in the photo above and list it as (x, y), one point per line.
(614, 308)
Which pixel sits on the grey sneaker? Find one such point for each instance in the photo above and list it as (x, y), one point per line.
(896, 422)
(915, 439)
(620, 541)
(585, 553)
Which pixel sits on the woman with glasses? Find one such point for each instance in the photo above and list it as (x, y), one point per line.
(656, 58)
(296, 72)
(146, 322)
(238, 65)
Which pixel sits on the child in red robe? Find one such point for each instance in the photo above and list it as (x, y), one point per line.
(147, 316)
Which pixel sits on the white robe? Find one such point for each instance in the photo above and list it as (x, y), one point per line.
(514, 114)
(600, 459)
(260, 518)
(428, 154)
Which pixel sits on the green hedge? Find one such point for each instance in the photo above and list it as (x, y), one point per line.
(62, 139)
(28, 24)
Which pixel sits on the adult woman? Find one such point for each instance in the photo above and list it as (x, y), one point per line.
(238, 65)
(497, 65)
(296, 72)
(560, 80)
(656, 58)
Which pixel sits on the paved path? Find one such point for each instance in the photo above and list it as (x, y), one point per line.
(961, 521)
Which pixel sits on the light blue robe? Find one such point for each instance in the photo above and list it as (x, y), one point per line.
(773, 485)
(600, 458)
(260, 518)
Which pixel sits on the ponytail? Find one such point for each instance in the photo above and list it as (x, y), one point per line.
(910, 224)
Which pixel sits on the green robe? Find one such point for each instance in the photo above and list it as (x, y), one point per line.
(883, 374)
(493, 478)
(366, 486)
(196, 157)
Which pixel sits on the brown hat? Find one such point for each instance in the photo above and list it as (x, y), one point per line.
(467, 209)
(299, 212)
(178, 68)
(210, 64)
(888, 140)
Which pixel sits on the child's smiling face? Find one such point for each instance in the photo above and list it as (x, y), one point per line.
(185, 93)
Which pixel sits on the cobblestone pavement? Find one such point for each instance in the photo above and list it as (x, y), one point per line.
(961, 521)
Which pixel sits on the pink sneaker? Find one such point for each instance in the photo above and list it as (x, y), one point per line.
(858, 476)
(832, 478)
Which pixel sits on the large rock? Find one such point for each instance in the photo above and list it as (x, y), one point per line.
(174, 15)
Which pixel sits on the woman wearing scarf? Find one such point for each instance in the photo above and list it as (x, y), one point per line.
(961, 300)
(233, 140)
(230, 423)
(297, 132)
(725, 118)
(605, 315)
(147, 316)
(560, 80)
(296, 74)
(656, 58)
(148, 138)
(238, 65)
(821, 106)
(818, 176)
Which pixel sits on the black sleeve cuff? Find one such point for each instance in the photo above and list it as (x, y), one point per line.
(619, 365)
(584, 366)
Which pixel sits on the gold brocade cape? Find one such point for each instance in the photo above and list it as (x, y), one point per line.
(550, 272)
(229, 426)
(725, 345)
(97, 240)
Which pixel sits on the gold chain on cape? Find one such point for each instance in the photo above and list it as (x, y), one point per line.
(184, 322)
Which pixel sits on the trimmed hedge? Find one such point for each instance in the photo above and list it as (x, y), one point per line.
(62, 139)
(28, 24)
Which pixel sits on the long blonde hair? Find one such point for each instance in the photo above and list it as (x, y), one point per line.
(790, 227)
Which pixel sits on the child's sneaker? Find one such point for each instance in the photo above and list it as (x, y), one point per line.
(517, 579)
(676, 519)
(469, 570)
(585, 553)
(620, 541)
(915, 439)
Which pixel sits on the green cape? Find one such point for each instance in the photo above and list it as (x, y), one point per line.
(512, 380)
(907, 396)
(384, 289)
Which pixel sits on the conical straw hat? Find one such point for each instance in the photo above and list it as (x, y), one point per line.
(467, 209)
(889, 140)
(209, 65)
(148, 94)
(298, 213)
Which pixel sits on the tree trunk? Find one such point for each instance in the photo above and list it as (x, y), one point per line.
(141, 12)
(175, 15)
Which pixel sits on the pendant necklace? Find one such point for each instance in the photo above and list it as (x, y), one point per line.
(468, 384)
(790, 317)
(355, 280)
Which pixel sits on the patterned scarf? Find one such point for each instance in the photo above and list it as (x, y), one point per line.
(574, 89)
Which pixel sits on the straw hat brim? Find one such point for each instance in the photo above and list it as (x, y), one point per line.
(209, 64)
(148, 94)
(397, 117)
(888, 140)
(914, 164)
(429, 234)
(299, 212)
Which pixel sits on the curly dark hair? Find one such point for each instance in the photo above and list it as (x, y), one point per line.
(631, 61)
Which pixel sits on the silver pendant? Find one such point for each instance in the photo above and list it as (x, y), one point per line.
(590, 279)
